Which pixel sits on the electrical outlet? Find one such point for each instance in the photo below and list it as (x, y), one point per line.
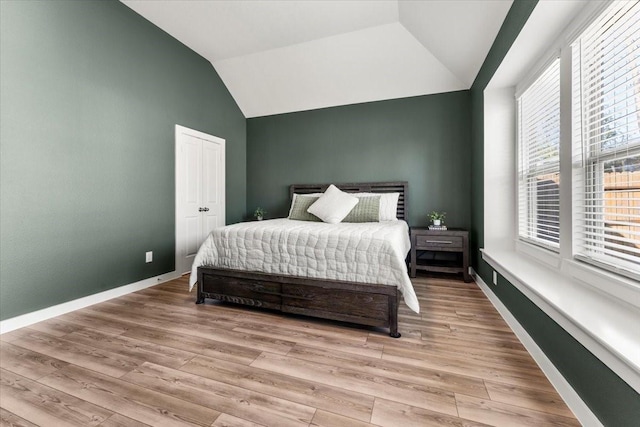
(495, 278)
(149, 256)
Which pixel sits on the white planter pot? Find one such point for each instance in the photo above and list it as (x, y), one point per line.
(436, 222)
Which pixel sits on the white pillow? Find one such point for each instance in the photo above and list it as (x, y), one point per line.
(388, 204)
(333, 206)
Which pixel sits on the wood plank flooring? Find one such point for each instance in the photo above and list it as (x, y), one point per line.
(155, 358)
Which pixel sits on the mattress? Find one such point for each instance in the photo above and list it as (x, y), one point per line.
(372, 253)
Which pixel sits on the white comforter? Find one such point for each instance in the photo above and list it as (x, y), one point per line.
(354, 252)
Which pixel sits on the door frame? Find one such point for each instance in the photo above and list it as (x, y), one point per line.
(180, 132)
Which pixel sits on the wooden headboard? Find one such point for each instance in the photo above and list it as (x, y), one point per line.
(361, 187)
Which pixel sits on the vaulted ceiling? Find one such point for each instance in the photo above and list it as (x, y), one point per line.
(281, 56)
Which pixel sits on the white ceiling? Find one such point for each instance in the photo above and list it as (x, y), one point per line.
(281, 56)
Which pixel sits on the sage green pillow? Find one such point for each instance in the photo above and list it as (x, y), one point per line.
(367, 210)
(299, 207)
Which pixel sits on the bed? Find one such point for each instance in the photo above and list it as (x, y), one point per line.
(349, 300)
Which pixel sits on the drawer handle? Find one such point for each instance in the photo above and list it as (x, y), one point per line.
(262, 290)
(297, 297)
(448, 242)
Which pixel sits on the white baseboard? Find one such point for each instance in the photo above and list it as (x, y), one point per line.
(27, 319)
(562, 386)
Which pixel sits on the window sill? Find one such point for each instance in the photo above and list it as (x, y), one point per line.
(546, 256)
(604, 325)
(625, 289)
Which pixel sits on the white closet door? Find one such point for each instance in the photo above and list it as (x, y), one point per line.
(200, 195)
(212, 191)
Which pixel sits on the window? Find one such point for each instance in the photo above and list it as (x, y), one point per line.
(538, 112)
(606, 139)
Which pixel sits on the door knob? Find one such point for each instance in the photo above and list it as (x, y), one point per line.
(206, 209)
(201, 209)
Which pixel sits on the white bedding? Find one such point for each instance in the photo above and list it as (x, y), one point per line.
(354, 252)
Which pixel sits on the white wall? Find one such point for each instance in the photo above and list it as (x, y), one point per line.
(499, 168)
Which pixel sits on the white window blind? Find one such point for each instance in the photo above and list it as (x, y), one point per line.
(606, 139)
(539, 159)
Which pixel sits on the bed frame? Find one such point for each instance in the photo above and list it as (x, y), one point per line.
(360, 303)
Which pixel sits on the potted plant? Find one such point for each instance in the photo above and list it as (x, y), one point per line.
(437, 218)
(259, 213)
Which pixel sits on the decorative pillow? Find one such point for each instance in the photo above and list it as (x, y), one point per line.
(333, 205)
(299, 206)
(367, 210)
(388, 204)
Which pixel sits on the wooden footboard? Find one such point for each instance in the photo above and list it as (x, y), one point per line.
(364, 304)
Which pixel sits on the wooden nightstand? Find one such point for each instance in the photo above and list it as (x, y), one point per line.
(445, 251)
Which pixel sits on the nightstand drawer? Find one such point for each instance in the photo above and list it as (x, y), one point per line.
(426, 242)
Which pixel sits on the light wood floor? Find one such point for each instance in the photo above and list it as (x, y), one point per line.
(156, 358)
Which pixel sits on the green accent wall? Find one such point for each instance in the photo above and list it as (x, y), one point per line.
(611, 399)
(90, 94)
(424, 140)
